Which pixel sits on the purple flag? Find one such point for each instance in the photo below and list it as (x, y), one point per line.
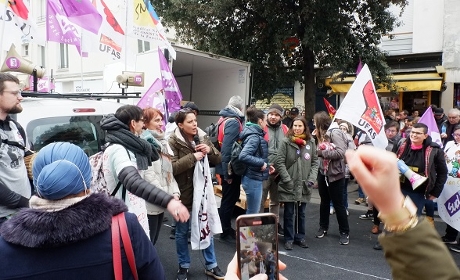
(58, 27)
(428, 119)
(153, 97)
(82, 13)
(172, 91)
(360, 66)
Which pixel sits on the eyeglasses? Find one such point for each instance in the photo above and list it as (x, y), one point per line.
(455, 135)
(17, 93)
(391, 131)
(417, 133)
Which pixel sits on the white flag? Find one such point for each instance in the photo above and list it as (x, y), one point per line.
(361, 107)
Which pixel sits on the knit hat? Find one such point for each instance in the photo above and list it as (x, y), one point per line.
(237, 102)
(294, 111)
(277, 109)
(61, 169)
(192, 106)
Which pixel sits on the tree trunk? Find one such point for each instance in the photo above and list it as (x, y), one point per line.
(310, 86)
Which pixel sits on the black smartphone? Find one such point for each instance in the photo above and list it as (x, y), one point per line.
(257, 245)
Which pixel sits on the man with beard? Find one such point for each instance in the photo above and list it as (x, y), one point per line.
(275, 132)
(15, 189)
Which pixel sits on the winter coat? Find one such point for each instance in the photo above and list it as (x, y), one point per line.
(418, 253)
(232, 129)
(184, 161)
(155, 174)
(73, 243)
(255, 152)
(121, 166)
(435, 168)
(296, 167)
(274, 136)
(336, 169)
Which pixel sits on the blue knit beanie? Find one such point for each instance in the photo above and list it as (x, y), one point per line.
(61, 169)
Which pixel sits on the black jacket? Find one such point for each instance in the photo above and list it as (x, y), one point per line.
(436, 170)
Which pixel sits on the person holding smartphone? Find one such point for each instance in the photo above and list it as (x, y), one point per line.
(297, 164)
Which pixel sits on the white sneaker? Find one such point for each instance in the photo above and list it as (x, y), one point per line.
(331, 210)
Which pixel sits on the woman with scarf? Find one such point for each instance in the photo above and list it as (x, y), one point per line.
(255, 155)
(297, 164)
(127, 157)
(66, 233)
(161, 172)
(190, 145)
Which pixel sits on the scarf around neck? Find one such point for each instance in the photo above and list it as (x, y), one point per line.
(119, 133)
(299, 139)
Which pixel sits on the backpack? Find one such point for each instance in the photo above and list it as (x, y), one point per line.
(238, 167)
(98, 182)
(215, 132)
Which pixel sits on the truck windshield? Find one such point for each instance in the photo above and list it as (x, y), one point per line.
(83, 131)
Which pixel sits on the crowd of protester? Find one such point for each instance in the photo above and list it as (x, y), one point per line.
(286, 156)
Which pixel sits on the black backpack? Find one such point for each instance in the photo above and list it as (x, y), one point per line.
(239, 167)
(213, 132)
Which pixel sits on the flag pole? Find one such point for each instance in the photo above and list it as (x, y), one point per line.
(126, 37)
(3, 28)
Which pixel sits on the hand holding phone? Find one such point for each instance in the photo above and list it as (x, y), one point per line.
(257, 246)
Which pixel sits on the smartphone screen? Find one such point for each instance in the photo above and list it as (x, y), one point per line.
(257, 245)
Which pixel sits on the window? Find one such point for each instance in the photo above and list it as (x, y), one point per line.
(83, 131)
(64, 56)
(41, 14)
(42, 54)
(25, 50)
(143, 46)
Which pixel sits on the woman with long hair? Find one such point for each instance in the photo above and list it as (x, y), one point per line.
(331, 175)
(255, 155)
(297, 164)
(161, 172)
(127, 157)
(190, 144)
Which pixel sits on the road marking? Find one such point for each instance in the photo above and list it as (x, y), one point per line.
(333, 266)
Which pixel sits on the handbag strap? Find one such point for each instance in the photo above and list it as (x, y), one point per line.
(116, 250)
(119, 226)
(127, 243)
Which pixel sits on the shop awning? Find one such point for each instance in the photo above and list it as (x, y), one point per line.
(404, 82)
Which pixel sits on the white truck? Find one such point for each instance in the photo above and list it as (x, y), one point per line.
(208, 80)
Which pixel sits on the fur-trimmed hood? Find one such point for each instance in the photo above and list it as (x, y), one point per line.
(35, 228)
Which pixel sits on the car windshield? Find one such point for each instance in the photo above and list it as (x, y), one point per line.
(83, 131)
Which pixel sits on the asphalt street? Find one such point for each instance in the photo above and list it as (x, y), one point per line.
(324, 259)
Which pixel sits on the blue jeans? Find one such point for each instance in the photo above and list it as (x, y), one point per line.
(182, 248)
(429, 207)
(253, 190)
(360, 192)
(417, 198)
(294, 221)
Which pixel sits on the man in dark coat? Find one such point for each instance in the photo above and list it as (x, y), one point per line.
(230, 128)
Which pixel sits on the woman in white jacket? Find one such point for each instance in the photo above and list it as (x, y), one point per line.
(160, 173)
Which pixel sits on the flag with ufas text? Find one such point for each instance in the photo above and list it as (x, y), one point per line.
(361, 107)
